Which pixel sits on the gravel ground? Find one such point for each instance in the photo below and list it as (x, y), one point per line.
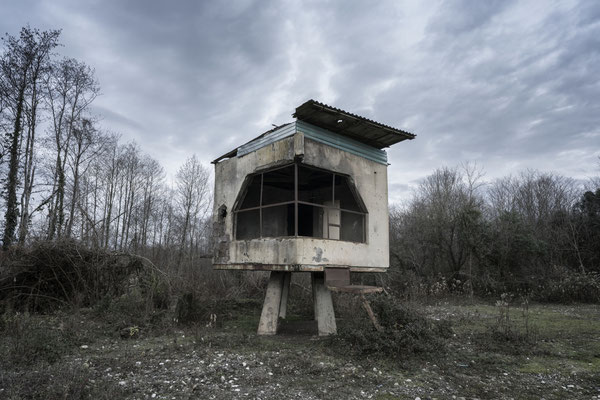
(233, 363)
(194, 370)
(303, 368)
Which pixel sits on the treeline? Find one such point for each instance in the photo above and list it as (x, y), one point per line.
(65, 177)
(535, 233)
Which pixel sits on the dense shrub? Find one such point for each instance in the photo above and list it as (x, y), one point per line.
(131, 310)
(568, 287)
(189, 309)
(46, 275)
(555, 285)
(192, 309)
(405, 331)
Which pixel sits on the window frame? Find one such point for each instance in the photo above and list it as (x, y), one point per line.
(248, 181)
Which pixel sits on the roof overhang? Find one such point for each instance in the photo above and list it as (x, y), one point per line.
(351, 125)
(334, 120)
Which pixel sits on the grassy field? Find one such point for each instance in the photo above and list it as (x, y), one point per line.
(494, 352)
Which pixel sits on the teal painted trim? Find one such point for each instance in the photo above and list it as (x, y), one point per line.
(341, 142)
(274, 136)
(318, 135)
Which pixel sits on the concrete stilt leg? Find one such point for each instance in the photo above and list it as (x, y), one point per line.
(314, 296)
(324, 312)
(285, 294)
(270, 311)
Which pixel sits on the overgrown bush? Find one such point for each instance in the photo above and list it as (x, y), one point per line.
(568, 287)
(411, 286)
(405, 331)
(131, 310)
(556, 285)
(47, 275)
(194, 309)
(208, 296)
(190, 309)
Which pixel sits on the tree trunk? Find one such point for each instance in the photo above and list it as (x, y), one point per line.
(12, 213)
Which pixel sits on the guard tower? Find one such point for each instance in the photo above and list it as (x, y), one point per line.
(307, 196)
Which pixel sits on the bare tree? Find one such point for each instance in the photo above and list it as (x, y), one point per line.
(22, 65)
(86, 145)
(71, 88)
(111, 173)
(193, 199)
(152, 180)
(438, 232)
(532, 224)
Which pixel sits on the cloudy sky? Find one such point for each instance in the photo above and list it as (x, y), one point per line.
(509, 85)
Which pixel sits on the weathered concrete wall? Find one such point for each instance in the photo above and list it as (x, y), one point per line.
(230, 175)
(370, 179)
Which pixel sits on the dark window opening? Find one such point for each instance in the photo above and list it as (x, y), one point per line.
(297, 200)
(278, 221)
(314, 186)
(252, 197)
(248, 223)
(345, 195)
(310, 221)
(352, 227)
(278, 186)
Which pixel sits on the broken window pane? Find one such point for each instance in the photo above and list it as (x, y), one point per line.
(248, 225)
(314, 186)
(345, 195)
(352, 227)
(278, 220)
(252, 196)
(278, 186)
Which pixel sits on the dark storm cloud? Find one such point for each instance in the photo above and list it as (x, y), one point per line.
(509, 85)
(509, 92)
(190, 76)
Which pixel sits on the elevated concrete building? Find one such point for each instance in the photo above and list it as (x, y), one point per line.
(307, 196)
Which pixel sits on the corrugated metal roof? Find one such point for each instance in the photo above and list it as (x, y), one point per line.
(267, 138)
(233, 152)
(351, 125)
(332, 126)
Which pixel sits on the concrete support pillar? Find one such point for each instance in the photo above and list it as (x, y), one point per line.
(276, 298)
(314, 295)
(271, 306)
(324, 313)
(285, 294)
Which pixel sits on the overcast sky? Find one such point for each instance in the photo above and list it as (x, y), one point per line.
(509, 85)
